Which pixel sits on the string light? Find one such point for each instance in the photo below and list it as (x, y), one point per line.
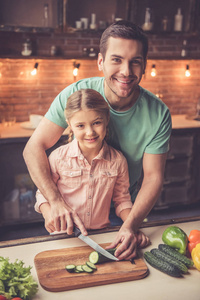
(187, 71)
(153, 71)
(34, 71)
(75, 70)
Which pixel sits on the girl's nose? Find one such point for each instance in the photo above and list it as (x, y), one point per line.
(89, 130)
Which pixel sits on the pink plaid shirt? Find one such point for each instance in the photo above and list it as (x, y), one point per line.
(88, 189)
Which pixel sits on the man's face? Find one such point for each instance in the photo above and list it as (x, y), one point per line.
(123, 67)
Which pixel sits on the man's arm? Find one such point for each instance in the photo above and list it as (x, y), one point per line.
(153, 168)
(44, 137)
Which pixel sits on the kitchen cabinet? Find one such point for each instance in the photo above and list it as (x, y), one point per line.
(62, 14)
(17, 190)
(182, 171)
(18, 25)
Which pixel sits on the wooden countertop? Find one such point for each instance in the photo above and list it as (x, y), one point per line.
(17, 131)
(156, 285)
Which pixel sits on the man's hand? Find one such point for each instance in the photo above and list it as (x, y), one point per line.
(129, 242)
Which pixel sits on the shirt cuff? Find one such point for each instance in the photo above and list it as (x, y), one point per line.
(39, 200)
(123, 206)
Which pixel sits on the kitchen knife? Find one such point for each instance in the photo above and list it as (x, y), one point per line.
(93, 244)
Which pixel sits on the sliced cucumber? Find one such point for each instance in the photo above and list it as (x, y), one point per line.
(91, 265)
(97, 258)
(70, 268)
(79, 269)
(87, 269)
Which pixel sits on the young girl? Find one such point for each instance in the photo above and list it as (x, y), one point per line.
(88, 172)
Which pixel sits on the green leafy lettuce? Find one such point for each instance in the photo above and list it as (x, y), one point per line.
(16, 280)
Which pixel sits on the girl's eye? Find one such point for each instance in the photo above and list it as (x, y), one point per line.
(80, 126)
(97, 123)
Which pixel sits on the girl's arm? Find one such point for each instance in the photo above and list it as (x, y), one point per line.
(124, 214)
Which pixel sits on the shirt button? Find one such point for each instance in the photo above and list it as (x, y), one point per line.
(91, 175)
(90, 197)
(88, 213)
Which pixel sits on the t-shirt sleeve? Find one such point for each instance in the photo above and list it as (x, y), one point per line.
(160, 142)
(55, 113)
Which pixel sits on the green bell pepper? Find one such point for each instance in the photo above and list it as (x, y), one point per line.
(176, 238)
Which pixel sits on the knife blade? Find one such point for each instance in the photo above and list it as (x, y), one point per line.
(93, 244)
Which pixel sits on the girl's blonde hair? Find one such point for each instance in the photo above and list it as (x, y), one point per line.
(85, 99)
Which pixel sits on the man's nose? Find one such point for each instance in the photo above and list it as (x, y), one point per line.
(126, 69)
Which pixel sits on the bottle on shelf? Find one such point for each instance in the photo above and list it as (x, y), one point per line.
(184, 51)
(148, 20)
(178, 21)
(46, 15)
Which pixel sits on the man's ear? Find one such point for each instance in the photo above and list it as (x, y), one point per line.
(145, 64)
(100, 62)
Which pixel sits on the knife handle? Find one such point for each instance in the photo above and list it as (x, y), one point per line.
(77, 231)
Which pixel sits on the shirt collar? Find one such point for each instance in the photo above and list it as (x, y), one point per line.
(74, 151)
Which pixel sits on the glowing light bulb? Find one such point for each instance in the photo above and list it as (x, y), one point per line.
(187, 71)
(34, 71)
(153, 71)
(75, 72)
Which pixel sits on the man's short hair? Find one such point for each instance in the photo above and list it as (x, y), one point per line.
(125, 30)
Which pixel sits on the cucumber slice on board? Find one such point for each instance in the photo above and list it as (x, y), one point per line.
(70, 268)
(87, 269)
(91, 265)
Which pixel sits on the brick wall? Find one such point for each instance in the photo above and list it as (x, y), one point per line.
(22, 94)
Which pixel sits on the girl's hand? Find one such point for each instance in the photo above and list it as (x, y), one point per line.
(64, 218)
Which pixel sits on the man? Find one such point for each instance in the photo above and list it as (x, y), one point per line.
(140, 126)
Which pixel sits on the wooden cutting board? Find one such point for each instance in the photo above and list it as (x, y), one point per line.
(52, 275)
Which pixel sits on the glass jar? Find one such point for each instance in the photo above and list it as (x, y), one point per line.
(27, 48)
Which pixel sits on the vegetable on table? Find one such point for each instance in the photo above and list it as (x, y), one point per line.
(175, 237)
(16, 280)
(193, 239)
(162, 265)
(196, 256)
(174, 253)
(171, 260)
(97, 258)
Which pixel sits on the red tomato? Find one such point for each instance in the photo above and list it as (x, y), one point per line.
(16, 298)
(2, 297)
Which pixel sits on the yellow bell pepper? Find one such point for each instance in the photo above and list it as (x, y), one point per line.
(196, 256)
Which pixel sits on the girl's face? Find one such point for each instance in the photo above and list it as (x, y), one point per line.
(89, 128)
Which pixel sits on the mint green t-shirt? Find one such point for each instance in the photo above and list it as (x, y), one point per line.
(144, 128)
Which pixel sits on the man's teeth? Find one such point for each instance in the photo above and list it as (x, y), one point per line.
(122, 81)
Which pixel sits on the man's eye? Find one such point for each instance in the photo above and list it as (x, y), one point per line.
(136, 62)
(116, 60)
(80, 126)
